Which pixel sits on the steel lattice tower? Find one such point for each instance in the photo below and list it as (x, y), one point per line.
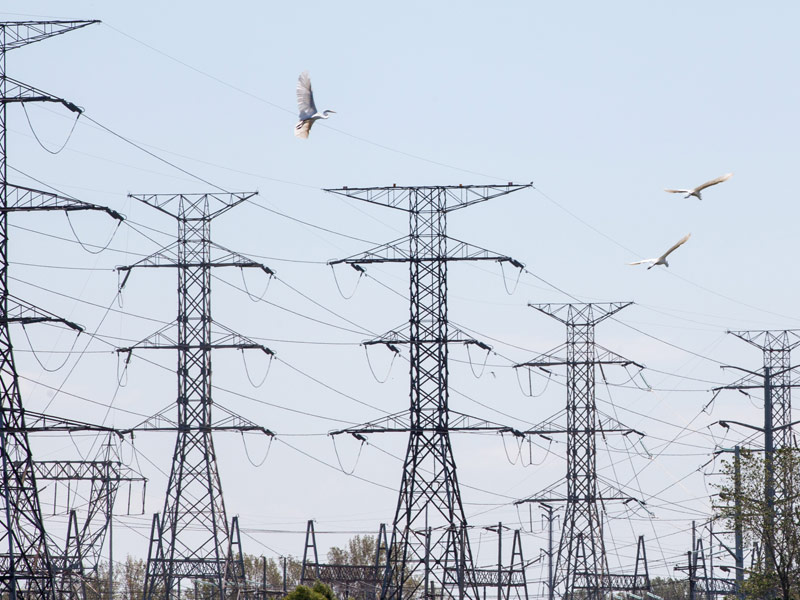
(193, 539)
(25, 562)
(777, 346)
(581, 564)
(430, 548)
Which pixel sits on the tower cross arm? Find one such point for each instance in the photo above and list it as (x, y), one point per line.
(770, 340)
(168, 257)
(22, 33)
(400, 251)
(456, 196)
(42, 423)
(580, 314)
(603, 357)
(194, 207)
(222, 338)
(18, 92)
(231, 421)
(754, 380)
(24, 199)
(399, 423)
(25, 313)
(81, 470)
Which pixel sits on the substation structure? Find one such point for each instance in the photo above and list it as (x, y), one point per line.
(192, 539)
(699, 570)
(429, 549)
(27, 568)
(360, 582)
(77, 562)
(581, 569)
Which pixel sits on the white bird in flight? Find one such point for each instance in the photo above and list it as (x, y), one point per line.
(662, 260)
(306, 107)
(696, 191)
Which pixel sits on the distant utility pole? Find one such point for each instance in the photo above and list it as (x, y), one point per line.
(551, 588)
(25, 562)
(193, 540)
(582, 566)
(429, 546)
(738, 533)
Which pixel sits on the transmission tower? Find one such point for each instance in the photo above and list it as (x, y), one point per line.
(777, 346)
(775, 379)
(581, 565)
(193, 540)
(25, 566)
(429, 546)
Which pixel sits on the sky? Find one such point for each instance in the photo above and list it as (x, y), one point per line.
(600, 107)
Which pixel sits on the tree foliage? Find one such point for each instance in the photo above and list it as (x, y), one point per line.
(360, 550)
(318, 591)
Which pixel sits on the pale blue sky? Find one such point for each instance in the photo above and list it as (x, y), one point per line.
(601, 106)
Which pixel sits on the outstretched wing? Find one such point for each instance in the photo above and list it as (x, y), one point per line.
(644, 262)
(714, 182)
(679, 191)
(676, 246)
(302, 128)
(305, 97)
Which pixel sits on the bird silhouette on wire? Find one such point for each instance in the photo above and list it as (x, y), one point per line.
(662, 260)
(306, 107)
(696, 191)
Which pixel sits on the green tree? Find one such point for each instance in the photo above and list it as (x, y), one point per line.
(360, 550)
(774, 528)
(318, 591)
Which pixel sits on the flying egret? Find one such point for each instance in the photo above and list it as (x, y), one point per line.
(662, 260)
(696, 191)
(306, 107)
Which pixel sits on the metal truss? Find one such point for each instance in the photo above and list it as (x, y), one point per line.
(348, 581)
(192, 539)
(429, 550)
(581, 564)
(105, 474)
(777, 346)
(505, 580)
(775, 379)
(700, 581)
(25, 561)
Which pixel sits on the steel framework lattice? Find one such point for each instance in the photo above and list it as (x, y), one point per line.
(581, 564)
(777, 346)
(104, 475)
(25, 563)
(429, 553)
(192, 539)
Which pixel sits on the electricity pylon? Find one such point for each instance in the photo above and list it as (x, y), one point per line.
(775, 379)
(193, 540)
(581, 565)
(429, 546)
(776, 346)
(25, 565)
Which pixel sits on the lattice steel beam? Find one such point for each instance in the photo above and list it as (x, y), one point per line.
(26, 567)
(429, 546)
(192, 538)
(777, 346)
(581, 564)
